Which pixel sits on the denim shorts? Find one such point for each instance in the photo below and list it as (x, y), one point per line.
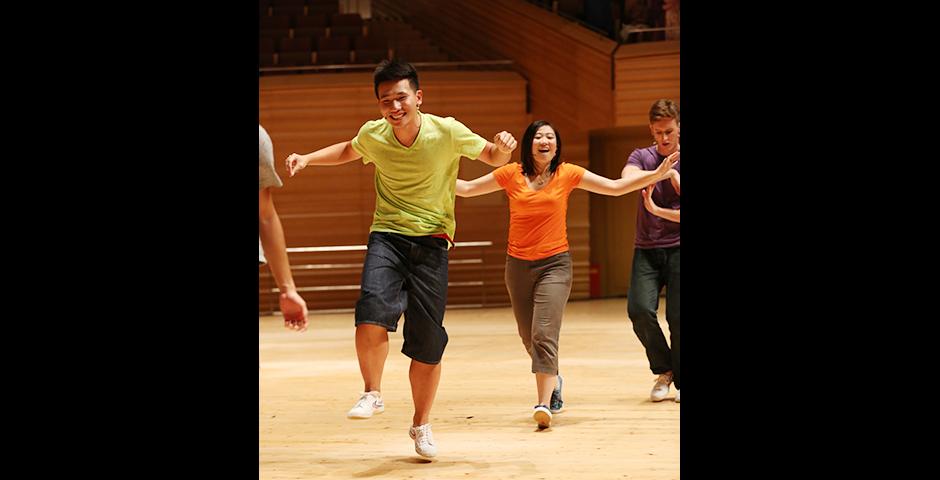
(403, 274)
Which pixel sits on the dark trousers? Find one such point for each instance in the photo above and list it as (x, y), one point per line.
(653, 269)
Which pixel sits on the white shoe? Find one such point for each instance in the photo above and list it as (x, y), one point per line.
(369, 403)
(424, 441)
(542, 416)
(677, 395)
(661, 389)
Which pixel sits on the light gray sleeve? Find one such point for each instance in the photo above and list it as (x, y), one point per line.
(267, 176)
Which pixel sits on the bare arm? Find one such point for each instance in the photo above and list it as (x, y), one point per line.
(336, 154)
(674, 179)
(632, 178)
(292, 304)
(667, 213)
(498, 153)
(480, 186)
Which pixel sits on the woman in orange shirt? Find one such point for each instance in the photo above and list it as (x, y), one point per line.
(538, 264)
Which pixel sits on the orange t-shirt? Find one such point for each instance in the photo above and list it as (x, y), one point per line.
(537, 218)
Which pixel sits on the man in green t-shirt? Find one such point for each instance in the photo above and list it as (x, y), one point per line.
(416, 157)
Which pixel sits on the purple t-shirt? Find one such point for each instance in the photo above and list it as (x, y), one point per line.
(652, 231)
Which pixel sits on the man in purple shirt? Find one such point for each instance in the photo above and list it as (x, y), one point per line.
(656, 253)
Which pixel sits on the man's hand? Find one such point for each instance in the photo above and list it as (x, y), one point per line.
(505, 142)
(294, 309)
(648, 199)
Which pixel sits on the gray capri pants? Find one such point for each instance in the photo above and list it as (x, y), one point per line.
(538, 290)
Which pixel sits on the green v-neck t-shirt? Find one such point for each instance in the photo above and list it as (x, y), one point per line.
(415, 186)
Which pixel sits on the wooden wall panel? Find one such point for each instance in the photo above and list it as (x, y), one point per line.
(568, 67)
(644, 72)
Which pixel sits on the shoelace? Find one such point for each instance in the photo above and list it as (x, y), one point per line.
(424, 435)
(363, 400)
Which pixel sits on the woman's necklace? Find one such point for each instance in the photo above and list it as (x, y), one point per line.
(541, 178)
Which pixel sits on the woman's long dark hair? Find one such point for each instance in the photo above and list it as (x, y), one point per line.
(528, 162)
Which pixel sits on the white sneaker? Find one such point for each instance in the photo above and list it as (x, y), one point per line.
(661, 389)
(677, 395)
(542, 416)
(424, 441)
(369, 403)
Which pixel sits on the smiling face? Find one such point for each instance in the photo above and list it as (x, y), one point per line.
(399, 103)
(544, 146)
